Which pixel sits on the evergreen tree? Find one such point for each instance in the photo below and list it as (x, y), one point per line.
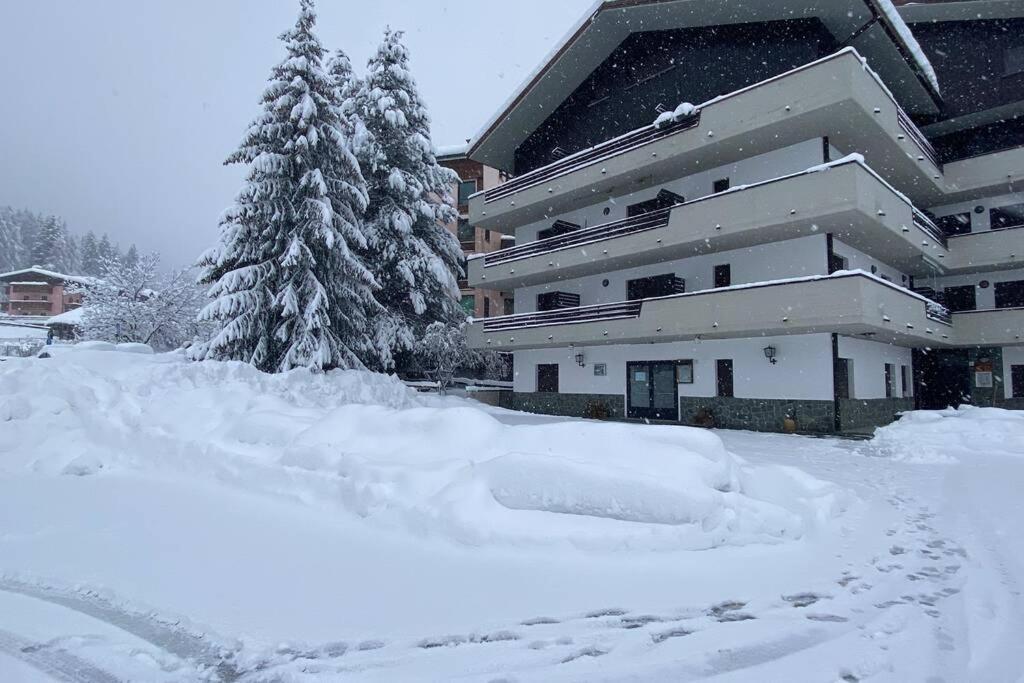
(414, 257)
(108, 252)
(131, 257)
(50, 248)
(287, 289)
(11, 250)
(90, 256)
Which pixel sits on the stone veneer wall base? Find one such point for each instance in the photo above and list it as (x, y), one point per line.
(864, 414)
(760, 414)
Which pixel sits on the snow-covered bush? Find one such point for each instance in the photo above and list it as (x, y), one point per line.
(140, 304)
(442, 352)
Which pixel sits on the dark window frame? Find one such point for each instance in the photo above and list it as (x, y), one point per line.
(1000, 219)
(953, 224)
(463, 197)
(1009, 294)
(955, 298)
(650, 286)
(544, 385)
(725, 378)
(1017, 381)
(723, 275)
(1013, 60)
(720, 185)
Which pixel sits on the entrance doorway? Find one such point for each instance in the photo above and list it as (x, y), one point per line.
(943, 378)
(651, 391)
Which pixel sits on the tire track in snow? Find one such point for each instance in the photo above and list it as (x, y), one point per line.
(57, 664)
(168, 637)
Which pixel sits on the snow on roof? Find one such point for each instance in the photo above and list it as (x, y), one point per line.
(905, 34)
(81, 279)
(452, 150)
(72, 317)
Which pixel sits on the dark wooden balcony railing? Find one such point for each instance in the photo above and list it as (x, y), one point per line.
(625, 226)
(565, 316)
(593, 155)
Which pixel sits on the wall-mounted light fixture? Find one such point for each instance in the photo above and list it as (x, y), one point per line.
(769, 353)
(580, 359)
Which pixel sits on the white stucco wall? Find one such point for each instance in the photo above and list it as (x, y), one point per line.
(1012, 355)
(869, 359)
(777, 163)
(979, 221)
(803, 370)
(858, 260)
(984, 298)
(791, 258)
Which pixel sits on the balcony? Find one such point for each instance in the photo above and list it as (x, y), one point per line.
(835, 97)
(989, 250)
(852, 303)
(846, 199)
(989, 327)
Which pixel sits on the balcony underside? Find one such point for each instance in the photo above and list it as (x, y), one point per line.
(847, 200)
(851, 304)
(984, 251)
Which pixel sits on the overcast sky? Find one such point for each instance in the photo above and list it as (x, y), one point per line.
(117, 114)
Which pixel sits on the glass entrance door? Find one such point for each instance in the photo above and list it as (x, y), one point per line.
(651, 389)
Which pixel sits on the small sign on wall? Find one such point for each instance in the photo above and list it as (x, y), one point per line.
(600, 369)
(983, 373)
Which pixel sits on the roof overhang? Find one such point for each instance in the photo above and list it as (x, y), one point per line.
(965, 10)
(858, 23)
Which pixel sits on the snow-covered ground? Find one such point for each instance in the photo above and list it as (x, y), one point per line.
(172, 521)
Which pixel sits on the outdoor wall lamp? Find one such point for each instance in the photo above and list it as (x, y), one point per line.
(769, 353)
(579, 359)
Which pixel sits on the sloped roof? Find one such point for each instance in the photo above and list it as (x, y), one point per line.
(863, 24)
(53, 275)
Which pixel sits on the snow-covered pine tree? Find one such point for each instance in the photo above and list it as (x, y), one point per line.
(11, 253)
(50, 250)
(131, 257)
(412, 254)
(287, 289)
(107, 250)
(90, 256)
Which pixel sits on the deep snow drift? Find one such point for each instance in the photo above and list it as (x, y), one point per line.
(365, 445)
(168, 521)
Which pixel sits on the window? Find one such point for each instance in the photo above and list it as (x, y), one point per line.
(684, 372)
(960, 298)
(510, 306)
(1010, 294)
(723, 275)
(467, 232)
(664, 200)
(487, 307)
(552, 301)
(1017, 381)
(547, 378)
(890, 379)
(720, 185)
(957, 224)
(836, 263)
(905, 379)
(557, 228)
(656, 285)
(843, 378)
(1010, 216)
(468, 303)
(487, 235)
(723, 377)
(466, 188)
(1013, 61)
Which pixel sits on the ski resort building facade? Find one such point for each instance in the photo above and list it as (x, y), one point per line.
(832, 232)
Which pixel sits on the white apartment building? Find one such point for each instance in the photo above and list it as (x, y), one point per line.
(739, 213)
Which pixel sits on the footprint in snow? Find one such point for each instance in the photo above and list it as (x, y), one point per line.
(610, 612)
(585, 652)
(370, 645)
(538, 621)
(671, 633)
(803, 599)
(639, 621)
(727, 606)
(826, 617)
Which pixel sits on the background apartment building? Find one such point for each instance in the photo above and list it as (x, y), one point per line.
(728, 215)
(474, 177)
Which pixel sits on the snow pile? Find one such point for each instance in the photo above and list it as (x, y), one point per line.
(682, 111)
(945, 436)
(362, 444)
